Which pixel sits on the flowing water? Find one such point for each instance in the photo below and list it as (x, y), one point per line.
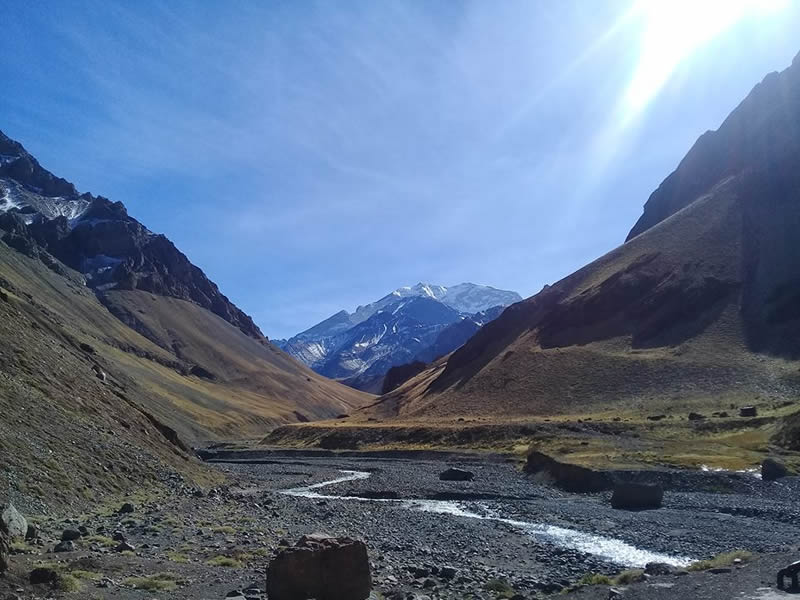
(610, 549)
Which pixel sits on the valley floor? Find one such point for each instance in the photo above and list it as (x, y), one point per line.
(504, 534)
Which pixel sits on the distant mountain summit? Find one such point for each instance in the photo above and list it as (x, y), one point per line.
(410, 323)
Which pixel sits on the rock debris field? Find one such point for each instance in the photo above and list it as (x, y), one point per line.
(501, 535)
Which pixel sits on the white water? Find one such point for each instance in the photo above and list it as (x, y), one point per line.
(610, 549)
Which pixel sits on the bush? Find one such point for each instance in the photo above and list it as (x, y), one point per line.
(177, 557)
(224, 561)
(160, 582)
(628, 577)
(67, 583)
(595, 579)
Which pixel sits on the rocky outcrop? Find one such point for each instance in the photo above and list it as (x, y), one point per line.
(320, 567)
(569, 477)
(22, 167)
(637, 496)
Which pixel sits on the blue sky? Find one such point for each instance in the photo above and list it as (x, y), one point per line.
(312, 156)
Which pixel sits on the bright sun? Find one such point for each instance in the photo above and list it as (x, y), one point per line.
(674, 29)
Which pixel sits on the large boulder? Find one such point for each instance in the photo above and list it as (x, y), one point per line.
(320, 567)
(772, 469)
(453, 474)
(16, 525)
(568, 477)
(637, 496)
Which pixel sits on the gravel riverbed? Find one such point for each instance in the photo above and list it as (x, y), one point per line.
(503, 535)
(536, 539)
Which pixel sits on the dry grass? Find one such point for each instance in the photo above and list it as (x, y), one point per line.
(48, 382)
(601, 439)
(178, 557)
(102, 540)
(721, 560)
(224, 561)
(226, 529)
(160, 582)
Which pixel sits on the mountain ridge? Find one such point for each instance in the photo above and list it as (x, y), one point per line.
(359, 348)
(98, 238)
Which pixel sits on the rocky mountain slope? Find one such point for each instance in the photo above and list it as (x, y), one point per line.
(411, 323)
(116, 353)
(698, 308)
(98, 238)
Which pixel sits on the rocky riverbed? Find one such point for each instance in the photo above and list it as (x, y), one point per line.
(500, 535)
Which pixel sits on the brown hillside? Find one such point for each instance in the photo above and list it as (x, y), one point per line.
(699, 309)
(118, 429)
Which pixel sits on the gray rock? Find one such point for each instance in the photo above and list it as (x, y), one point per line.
(43, 575)
(70, 535)
(453, 474)
(32, 532)
(637, 496)
(772, 469)
(15, 524)
(124, 547)
(65, 546)
(656, 568)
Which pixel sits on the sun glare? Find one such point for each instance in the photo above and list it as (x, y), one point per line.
(673, 30)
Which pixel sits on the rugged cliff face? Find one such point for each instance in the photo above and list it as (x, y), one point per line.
(98, 238)
(761, 137)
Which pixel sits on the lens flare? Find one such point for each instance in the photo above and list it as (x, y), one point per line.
(673, 30)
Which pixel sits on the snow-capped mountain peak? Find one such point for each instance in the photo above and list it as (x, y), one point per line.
(437, 292)
(358, 348)
(471, 298)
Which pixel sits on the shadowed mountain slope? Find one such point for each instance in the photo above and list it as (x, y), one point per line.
(99, 372)
(699, 307)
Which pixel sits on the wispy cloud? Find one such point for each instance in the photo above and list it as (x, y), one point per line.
(311, 156)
